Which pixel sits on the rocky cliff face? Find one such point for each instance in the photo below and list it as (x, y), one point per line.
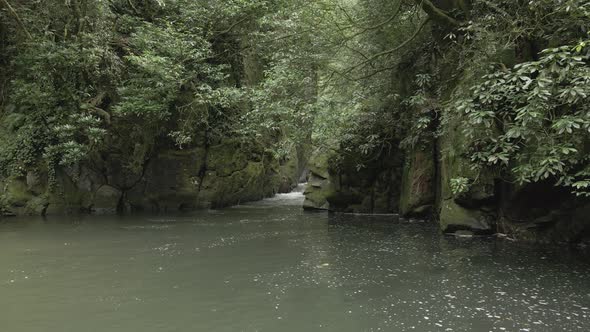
(421, 189)
(416, 182)
(344, 188)
(153, 174)
(540, 212)
(172, 180)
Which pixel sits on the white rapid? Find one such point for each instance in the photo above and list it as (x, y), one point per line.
(295, 197)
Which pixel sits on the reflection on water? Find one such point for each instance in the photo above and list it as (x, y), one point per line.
(268, 266)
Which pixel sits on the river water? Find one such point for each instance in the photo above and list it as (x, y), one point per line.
(268, 266)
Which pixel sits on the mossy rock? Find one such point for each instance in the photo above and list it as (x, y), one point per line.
(37, 206)
(289, 173)
(16, 199)
(418, 183)
(465, 210)
(226, 158)
(454, 217)
(319, 164)
(36, 182)
(16, 193)
(316, 193)
(242, 185)
(67, 198)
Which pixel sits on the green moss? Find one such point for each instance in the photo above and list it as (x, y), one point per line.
(67, 198)
(319, 164)
(37, 206)
(289, 173)
(226, 158)
(316, 196)
(417, 182)
(16, 193)
(242, 185)
(454, 217)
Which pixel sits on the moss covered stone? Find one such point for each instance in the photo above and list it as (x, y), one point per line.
(316, 196)
(454, 217)
(242, 185)
(418, 183)
(319, 185)
(289, 172)
(16, 193)
(226, 158)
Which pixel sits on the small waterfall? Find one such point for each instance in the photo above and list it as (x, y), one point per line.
(300, 188)
(295, 197)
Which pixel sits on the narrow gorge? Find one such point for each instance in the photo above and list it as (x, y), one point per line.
(471, 114)
(294, 165)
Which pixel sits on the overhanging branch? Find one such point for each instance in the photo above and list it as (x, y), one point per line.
(393, 50)
(437, 14)
(17, 18)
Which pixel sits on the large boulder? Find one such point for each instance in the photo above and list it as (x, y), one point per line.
(170, 182)
(454, 217)
(474, 209)
(374, 188)
(316, 192)
(242, 185)
(319, 186)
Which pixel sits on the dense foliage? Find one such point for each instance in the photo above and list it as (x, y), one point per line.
(527, 117)
(534, 120)
(83, 77)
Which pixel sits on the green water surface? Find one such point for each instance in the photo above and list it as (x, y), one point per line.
(269, 266)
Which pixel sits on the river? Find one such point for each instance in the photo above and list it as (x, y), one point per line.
(269, 266)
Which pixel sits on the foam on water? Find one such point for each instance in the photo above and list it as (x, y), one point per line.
(294, 198)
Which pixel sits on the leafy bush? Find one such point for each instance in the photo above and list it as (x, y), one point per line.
(534, 120)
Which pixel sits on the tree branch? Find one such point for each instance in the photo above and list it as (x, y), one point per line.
(437, 14)
(231, 27)
(393, 50)
(377, 26)
(92, 107)
(18, 19)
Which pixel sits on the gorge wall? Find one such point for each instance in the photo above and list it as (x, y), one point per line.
(171, 180)
(127, 107)
(471, 113)
(417, 180)
(419, 187)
